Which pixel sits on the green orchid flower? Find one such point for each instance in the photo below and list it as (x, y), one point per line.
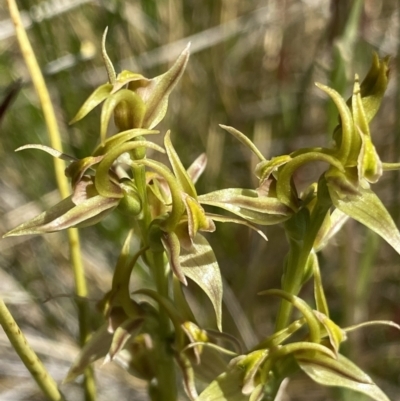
(260, 372)
(93, 198)
(134, 100)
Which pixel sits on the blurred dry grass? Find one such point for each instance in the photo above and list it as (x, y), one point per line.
(253, 65)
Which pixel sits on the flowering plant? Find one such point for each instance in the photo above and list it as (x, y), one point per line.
(153, 332)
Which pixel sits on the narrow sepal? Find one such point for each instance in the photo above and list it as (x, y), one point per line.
(155, 95)
(49, 150)
(99, 95)
(346, 122)
(368, 163)
(177, 167)
(374, 85)
(244, 140)
(280, 336)
(108, 64)
(66, 215)
(247, 204)
(197, 168)
(372, 323)
(341, 373)
(319, 293)
(227, 219)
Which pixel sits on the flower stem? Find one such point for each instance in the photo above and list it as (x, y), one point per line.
(166, 380)
(28, 356)
(83, 308)
(62, 181)
(297, 262)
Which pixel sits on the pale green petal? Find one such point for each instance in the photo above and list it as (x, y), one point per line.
(341, 373)
(200, 265)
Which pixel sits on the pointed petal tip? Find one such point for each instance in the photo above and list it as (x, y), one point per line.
(32, 146)
(263, 235)
(106, 360)
(185, 52)
(69, 378)
(104, 35)
(16, 233)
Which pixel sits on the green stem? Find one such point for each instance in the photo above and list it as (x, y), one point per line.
(166, 379)
(165, 389)
(297, 262)
(28, 356)
(62, 181)
(83, 307)
(43, 94)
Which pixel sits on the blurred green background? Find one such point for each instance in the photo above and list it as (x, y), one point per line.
(253, 66)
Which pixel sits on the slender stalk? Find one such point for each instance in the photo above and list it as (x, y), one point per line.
(297, 263)
(62, 182)
(165, 389)
(43, 94)
(166, 378)
(28, 356)
(83, 307)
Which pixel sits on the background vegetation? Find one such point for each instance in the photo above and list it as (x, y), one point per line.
(253, 66)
